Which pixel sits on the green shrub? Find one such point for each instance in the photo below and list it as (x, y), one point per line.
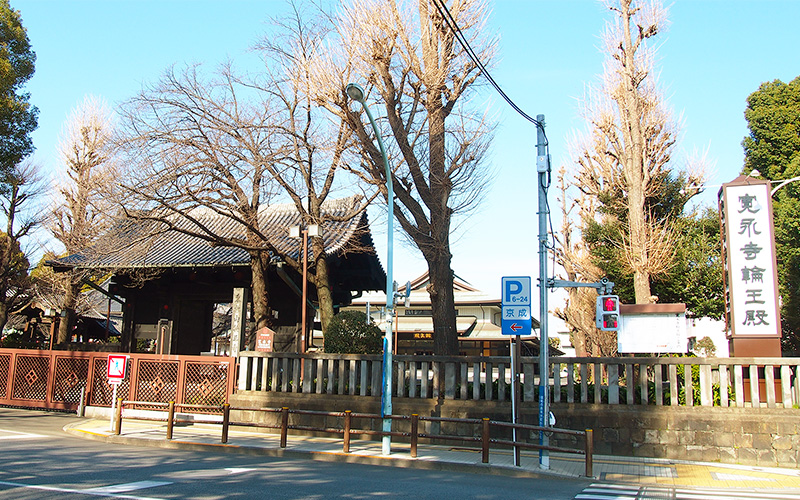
(349, 333)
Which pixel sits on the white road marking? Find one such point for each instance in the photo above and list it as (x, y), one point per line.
(70, 490)
(6, 434)
(237, 470)
(207, 473)
(123, 488)
(722, 476)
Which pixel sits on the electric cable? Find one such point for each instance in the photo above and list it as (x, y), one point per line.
(451, 22)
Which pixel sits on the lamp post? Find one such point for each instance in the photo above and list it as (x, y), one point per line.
(781, 182)
(294, 232)
(356, 93)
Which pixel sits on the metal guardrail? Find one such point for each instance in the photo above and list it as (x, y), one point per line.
(346, 430)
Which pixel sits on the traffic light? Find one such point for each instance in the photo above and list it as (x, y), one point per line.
(607, 313)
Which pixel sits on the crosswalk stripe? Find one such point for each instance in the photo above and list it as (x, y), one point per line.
(124, 488)
(6, 434)
(41, 487)
(599, 491)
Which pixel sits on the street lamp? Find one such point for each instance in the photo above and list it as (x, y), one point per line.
(294, 232)
(356, 93)
(756, 173)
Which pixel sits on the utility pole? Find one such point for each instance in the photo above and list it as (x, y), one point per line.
(543, 170)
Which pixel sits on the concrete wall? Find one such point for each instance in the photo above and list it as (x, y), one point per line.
(753, 436)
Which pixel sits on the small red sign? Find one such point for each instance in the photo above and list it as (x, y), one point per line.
(264, 338)
(116, 368)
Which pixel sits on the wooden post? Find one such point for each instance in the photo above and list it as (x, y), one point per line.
(118, 418)
(284, 425)
(485, 441)
(226, 419)
(589, 452)
(348, 415)
(170, 419)
(414, 434)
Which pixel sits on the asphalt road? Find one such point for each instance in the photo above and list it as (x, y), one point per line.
(39, 460)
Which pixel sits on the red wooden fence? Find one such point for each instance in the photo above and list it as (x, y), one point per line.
(56, 379)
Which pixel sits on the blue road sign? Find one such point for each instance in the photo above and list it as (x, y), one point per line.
(516, 302)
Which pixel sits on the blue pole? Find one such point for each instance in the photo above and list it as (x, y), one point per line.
(543, 171)
(357, 93)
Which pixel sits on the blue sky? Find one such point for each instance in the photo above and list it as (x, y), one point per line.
(713, 55)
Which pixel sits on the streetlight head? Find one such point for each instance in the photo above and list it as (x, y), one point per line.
(355, 92)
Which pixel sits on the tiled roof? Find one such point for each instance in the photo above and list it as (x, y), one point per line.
(176, 249)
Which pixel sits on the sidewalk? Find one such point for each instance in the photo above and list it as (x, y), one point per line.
(643, 471)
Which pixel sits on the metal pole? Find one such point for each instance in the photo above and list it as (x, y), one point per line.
(113, 406)
(515, 345)
(305, 291)
(543, 170)
(357, 93)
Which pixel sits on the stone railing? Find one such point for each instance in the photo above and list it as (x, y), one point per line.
(726, 382)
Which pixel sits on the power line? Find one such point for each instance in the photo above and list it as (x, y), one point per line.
(451, 22)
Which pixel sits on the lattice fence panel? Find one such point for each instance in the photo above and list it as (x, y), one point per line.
(157, 381)
(5, 366)
(69, 378)
(30, 378)
(205, 383)
(102, 391)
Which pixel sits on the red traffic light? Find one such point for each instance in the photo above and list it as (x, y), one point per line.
(610, 321)
(610, 304)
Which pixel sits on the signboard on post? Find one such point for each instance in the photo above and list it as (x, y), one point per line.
(652, 328)
(264, 339)
(116, 368)
(116, 374)
(516, 303)
(750, 271)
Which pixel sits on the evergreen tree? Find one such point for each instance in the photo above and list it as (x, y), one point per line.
(18, 118)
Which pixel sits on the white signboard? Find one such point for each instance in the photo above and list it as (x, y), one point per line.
(652, 333)
(752, 276)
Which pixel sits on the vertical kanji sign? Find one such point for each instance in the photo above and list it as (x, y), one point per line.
(750, 257)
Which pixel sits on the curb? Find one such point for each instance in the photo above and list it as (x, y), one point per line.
(319, 456)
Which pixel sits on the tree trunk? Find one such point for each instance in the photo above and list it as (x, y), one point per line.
(638, 244)
(3, 315)
(67, 322)
(259, 286)
(322, 282)
(633, 164)
(445, 333)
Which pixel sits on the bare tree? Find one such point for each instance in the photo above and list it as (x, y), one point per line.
(229, 146)
(83, 203)
(194, 147)
(575, 257)
(421, 77)
(625, 156)
(314, 144)
(20, 190)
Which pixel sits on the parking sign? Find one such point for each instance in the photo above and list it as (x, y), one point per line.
(516, 302)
